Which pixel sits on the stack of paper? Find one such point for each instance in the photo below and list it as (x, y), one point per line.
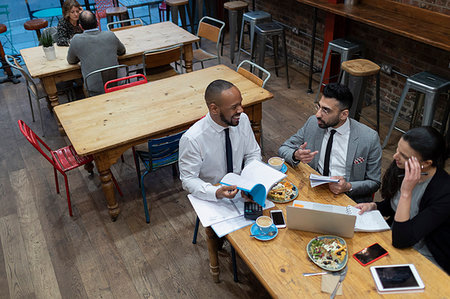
(317, 180)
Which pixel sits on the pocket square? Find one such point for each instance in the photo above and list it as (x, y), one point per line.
(358, 160)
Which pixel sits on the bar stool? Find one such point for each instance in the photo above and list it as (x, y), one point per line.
(180, 6)
(235, 12)
(162, 11)
(36, 25)
(427, 83)
(359, 70)
(346, 49)
(263, 32)
(10, 76)
(120, 12)
(252, 18)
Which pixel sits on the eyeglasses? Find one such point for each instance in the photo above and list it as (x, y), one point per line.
(326, 110)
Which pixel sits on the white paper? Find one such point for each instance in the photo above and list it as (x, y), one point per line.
(228, 226)
(317, 180)
(263, 174)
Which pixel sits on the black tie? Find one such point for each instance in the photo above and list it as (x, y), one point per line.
(326, 164)
(228, 151)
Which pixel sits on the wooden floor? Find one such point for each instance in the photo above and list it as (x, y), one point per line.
(44, 253)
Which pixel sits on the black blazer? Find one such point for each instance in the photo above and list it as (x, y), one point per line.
(432, 222)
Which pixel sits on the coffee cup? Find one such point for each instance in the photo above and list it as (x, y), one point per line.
(276, 162)
(264, 224)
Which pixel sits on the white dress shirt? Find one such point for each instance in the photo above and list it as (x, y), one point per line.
(338, 154)
(202, 158)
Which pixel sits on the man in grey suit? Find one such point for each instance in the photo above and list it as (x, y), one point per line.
(95, 49)
(353, 149)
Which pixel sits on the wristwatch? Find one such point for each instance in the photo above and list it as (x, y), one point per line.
(293, 158)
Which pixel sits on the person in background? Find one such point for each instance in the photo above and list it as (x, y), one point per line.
(416, 196)
(337, 146)
(69, 25)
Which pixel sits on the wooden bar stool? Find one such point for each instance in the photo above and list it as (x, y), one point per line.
(179, 6)
(343, 47)
(10, 76)
(36, 25)
(427, 83)
(359, 70)
(252, 18)
(235, 12)
(263, 32)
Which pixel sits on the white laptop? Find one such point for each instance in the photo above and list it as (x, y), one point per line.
(320, 218)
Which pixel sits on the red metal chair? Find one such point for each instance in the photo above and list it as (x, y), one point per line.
(63, 159)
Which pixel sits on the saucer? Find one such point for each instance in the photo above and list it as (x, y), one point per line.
(283, 168)
(255, 230)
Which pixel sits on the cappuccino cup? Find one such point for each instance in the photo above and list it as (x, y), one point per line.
(276, 162)
(264, 224)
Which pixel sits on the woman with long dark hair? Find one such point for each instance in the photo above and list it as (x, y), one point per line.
(68, 26)
(416, 193)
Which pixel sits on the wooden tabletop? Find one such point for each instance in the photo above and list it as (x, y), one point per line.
(106, 121)
(419, 24)
(136, 41)
(279, 263)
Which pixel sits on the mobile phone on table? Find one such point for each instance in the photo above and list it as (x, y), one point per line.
(370, 254)
(278, 218)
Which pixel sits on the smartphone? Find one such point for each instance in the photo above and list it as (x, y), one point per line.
(397, 279)
(278, 218)
(370, 254)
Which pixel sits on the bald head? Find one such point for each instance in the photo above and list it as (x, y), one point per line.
(213, 93)
(88, 20)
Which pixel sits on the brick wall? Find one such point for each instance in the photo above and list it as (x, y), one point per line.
(405, 55)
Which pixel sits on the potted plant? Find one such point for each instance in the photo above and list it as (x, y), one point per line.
(47, 45)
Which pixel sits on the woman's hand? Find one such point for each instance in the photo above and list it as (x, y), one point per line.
(366, 206)
(412, 176)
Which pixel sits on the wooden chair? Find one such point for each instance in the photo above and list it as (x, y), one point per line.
(161, 152)
(125, 24)
(63, 159)
(250, 75)
(157, 63)
(105, 74)
(207, 29)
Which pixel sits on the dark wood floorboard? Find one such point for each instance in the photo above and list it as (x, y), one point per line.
(45, 253)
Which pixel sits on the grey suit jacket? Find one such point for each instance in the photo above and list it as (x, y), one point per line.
(363, 163)
(95, 50)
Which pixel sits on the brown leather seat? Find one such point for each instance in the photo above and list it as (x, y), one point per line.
(120, 12)
(36, 25)
(2, 28)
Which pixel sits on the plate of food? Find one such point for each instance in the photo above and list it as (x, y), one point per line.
(283, 192)
(328, 252)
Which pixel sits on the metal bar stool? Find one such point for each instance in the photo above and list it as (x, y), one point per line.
(346, 49)
(252, 18)
(180, 6)
(10, 76)
(359, 70)
(235, 12)
(427, 83)
(263, 32)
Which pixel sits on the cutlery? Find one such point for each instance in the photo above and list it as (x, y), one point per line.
(342, 274)
(317, 273)
(269, 234)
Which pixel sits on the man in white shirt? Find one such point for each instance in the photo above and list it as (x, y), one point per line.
(203, 156)
(354, 151)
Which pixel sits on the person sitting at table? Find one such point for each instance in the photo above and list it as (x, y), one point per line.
(95, 49)
(337, 146)
(69, 25)
(416, 196)
(203, 157)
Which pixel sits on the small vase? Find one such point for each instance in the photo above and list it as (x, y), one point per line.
(50, 53)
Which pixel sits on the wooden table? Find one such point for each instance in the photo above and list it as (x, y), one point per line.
(416, 23)
(107, 125)
(279, 264)
(136, 41)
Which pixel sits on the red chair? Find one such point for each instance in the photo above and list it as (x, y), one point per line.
(126, 85)
(63, 159)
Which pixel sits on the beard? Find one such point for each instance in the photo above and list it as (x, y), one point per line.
(325, 125)
(229, 122)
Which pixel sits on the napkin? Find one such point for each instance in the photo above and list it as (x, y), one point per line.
(329, 282)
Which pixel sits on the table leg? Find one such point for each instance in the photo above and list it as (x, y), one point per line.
(188, 57)
(103, 168)
(255, 115)
(50, 88)
(212, 240)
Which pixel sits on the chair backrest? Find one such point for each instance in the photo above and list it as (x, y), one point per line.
(50, 30)
(249, 74)
(37, 142)
(162, 56)
(31, 85)
(105, 74)
(130, 23)
(128, 79)
(208, 30)
(101, 6)
(164, 151)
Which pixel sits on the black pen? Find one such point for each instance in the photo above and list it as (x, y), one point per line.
(422, 173)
